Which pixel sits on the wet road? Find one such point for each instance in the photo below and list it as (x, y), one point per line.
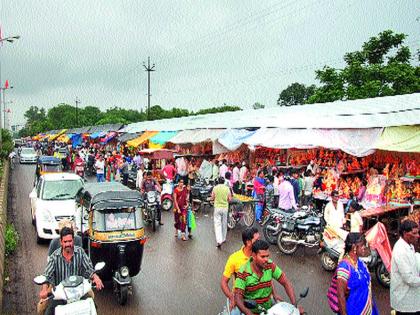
(176, 278)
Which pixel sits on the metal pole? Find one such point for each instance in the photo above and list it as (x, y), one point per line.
(148, 69)
(4, 109)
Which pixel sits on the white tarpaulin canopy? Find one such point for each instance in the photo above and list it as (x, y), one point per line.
(376, 112)
(196, 136)
(357, 142)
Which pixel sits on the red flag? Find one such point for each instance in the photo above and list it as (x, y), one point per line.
(6, 84)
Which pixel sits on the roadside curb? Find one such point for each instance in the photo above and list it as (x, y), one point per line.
(4, 186)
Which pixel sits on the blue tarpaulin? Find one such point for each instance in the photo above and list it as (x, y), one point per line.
(98, 134)
(76, 139)
(232, 139)
(163, 137)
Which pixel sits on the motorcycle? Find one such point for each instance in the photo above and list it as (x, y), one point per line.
(90, 165)
(272, 223)
(301, 228)
(201, 192)
(79, 169)
(331, 250)
(166, 199)
(150, 208)
(281, 308)
(74, 290)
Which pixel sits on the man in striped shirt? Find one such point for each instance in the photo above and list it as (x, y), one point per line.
(254, 280)
(66, 261)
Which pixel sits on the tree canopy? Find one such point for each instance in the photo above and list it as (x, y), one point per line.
(63, 116)
(382, 67)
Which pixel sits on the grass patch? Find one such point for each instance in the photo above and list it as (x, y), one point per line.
(11, 240)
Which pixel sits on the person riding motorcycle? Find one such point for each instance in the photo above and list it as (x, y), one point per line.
(151, 184)
(254, 280)
(63, 262)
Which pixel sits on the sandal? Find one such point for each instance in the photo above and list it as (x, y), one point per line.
(184, 238)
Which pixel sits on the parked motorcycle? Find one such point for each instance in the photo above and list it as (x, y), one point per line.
(166, 198)
(272, 224)
(90, 165)
(74, 291)
(201, 192)
(301, 228)
(150, 208)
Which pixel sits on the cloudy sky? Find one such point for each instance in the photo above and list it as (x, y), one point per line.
(207, 52)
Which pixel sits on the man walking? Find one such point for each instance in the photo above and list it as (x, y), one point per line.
(100, 169)
(222, 196)
(405, 272)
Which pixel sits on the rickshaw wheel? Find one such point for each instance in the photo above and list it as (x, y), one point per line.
(122, 295)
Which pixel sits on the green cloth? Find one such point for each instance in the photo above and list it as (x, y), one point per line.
(400, 139)
(255, 288)
(221, 193)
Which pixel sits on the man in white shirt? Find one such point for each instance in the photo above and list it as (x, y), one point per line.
(405, 272)
(223, 169)
(334, 215)
(100, 169)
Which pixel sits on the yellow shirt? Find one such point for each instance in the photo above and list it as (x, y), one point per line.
(235, 261)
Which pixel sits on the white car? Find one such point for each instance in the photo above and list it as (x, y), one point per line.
(28, 155)
(52, 200)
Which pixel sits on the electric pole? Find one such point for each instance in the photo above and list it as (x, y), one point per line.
(149, 69)
(77, 111)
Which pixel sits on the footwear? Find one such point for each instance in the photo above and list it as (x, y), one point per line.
(190, 236)
(219, 245)
(160, 223)
(183, 237)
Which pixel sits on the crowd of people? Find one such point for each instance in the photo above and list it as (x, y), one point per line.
(250, 267)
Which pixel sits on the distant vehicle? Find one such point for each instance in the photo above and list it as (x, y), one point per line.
(28, 155)
(18, 142)
(52, 200)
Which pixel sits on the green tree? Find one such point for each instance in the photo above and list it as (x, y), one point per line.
(382, 67)
(89, 115)
(258, 105)
(34, 114)
(62, 116)
(295, 94)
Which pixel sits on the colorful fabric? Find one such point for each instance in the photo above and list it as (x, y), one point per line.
(359, 299)
(256, 288)
(400, 139)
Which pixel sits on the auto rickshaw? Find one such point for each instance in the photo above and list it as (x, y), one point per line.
(112, 231)
(47, 164)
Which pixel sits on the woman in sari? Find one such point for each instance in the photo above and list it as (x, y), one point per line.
(180, 197)
(353, 279)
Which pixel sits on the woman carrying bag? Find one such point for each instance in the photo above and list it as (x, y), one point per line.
(354, 291)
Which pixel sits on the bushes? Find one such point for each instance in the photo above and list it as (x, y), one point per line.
(7, 144)
(11, 240)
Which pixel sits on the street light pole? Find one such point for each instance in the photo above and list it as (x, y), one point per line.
(4, 104)
(148, 69)
(9, 39)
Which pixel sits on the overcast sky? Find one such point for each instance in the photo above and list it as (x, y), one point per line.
(206, 52)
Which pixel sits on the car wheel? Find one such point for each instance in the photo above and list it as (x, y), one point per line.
(32, 218)
(38, 239)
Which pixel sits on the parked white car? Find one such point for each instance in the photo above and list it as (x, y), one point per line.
(28, 155)
(52, 200)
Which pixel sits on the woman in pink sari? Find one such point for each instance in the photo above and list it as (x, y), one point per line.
(180, 197)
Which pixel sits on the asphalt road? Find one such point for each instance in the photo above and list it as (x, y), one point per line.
(176, 278)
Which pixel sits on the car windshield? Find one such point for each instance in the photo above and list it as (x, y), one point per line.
(117, 219)
(60, 190)
(28, 151)
(51, 168)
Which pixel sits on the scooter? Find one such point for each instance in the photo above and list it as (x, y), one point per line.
(166, 199)
(281, 308)
(74, 291)
(331, 250)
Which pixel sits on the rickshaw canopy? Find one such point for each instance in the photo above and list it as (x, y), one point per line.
(108, 195)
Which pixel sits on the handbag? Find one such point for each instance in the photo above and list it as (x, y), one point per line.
(191, 220)
(332, 293)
